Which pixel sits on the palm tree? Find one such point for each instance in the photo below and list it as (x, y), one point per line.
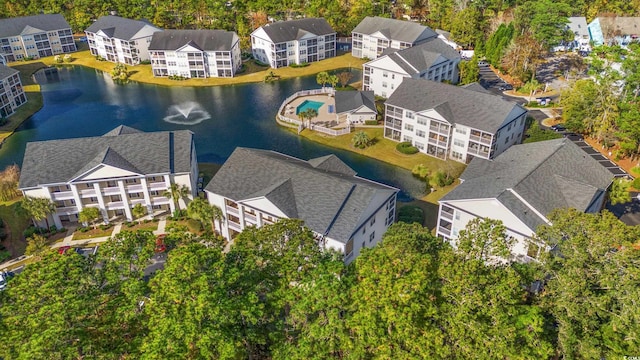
(361, 140)
(333, 80)
(89, 215)
(308, 114)
(322, 78)
(175, 193)
(138, 211)
(217, 216)
(39, 208)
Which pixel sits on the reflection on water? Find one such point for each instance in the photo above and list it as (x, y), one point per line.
(81, 102)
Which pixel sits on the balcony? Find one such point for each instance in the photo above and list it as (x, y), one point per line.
(444, 231)
(483, 140)
(137, 201)
(438, 142)
(250, 218)
(234, 226)
(135, 188)
(88, 193)
(158, 185)
(62, 195)
(66, 210)
(113, 205)
(160, 200)
(232, 210)
(446, 215)
(90, 204)
(475, 150)
(111, 190)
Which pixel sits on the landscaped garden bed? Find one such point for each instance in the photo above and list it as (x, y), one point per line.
(89, 233)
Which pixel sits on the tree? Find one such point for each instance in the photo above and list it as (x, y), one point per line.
(37, 246)
(592, 285)
(535, 133)
(120, 73)
(523, 56)
(619, 192)
(344, 78)
(89, 215)
(467, 27)
(545, 20)
(138, 211)
(176, 192)
(39, 208)
(333, 80)
(200, 209)
(469, 71)
(361, 140)
(498, 43)
(322, 78)
(308, 114)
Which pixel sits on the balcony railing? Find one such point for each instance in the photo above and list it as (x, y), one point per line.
(438, 142)
(233, 225)
(66, 210)
(112, 205)
(135, 188)
(446, 215)
(483, 140)
(158, 185)
(88, 193)
(444, 231)
(137, 201)
(62, 195)
(160, 200)
(251, 218)
(111, 190)
(232, 210)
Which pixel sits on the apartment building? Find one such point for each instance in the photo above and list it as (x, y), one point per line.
(451, 122)
(374, 35)
(300, 41)
(11, 92)
(431, 60)
(113, 172)
(35, 37)
(195, 53)
(120, 40)
(520, 187)
(258, 187)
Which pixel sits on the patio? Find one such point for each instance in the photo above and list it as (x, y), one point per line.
(325, 118)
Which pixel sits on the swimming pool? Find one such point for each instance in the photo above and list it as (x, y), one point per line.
(308, 104)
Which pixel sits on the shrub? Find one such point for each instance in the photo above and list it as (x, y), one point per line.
(31, 230)
(58, 59)
(304, 64)
(100, 58)
(62, 229)
(177, 77)
(145, 62)
(194, 225)
(443, 179)
(410, 214)
(53, 229)
(259, 63)
(405, 147)
(129, 224)
(4, 256)
(105, 227)
(371, 122)
(83, 229)
(420, 171)
(68, 58)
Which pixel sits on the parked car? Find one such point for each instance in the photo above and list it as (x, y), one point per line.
(160, 246)
(63, 249)
(505, 87)
(558, 127)
(3, 281)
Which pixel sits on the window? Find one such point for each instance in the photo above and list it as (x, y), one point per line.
(457, 214)
(364, 229)
(506, 140)
(420, 133)
(408, 127)
(373, 221)
(384, 84)
(461, 130)
(409, 114)
(419, 145)
(372, 236)
(458, 142)
(422, 120)
(407, 138)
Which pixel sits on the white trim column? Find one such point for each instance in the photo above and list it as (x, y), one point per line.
(101, 204)
(147, 196)
(172, 202)
(125, 200)
(54, 215)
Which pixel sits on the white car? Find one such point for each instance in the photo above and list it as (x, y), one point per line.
(3, 281)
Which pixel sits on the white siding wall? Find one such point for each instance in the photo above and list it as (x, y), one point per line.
(510, 133)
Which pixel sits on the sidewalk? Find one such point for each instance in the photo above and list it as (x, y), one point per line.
(68, 241)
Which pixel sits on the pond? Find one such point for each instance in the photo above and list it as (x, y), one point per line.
(80, 102)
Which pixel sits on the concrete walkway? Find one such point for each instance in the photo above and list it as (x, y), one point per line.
(68, 241)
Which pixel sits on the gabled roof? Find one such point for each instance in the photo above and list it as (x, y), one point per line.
(405, 31)
(119, 28)
(283, 31)
(476, 87)
(60, 161)
(419, 58)
(352, 100)
(6, 71)
(47, 22)
(578, 25)
(205, 40)
(547, 175)
(479, 110)
(323, 192)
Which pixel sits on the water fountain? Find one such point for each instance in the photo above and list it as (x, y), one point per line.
(186, 113)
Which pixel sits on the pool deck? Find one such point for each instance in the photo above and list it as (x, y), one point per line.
(324, 118)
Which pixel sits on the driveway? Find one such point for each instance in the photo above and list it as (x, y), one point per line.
(492, 82)
(628, 213)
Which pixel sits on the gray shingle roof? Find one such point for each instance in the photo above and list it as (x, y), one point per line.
(205, 40)
(118, 27)
(6, 71)
(623, 25)
(47, 22)
(283, 31)
(405, 31)
(548, 175)
(351, 100)
(480, 110)
(419, 58)
(578, 25)
(323, 192)
(59, 161)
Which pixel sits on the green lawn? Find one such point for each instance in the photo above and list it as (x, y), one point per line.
(15, 222)
(384, 150)
(151, 226)
(93, 233)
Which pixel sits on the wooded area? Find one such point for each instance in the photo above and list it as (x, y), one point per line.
(276, 294)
